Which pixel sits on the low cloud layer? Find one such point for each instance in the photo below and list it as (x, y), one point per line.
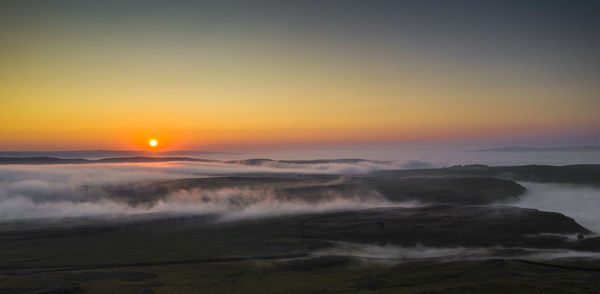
(582, 203)
(54, 191)
(394, 254)
(226, 205)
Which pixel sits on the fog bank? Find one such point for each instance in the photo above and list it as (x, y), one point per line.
(582, 203)
(393, 254)
(56, 191)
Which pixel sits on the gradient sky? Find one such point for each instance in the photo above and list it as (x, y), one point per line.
(246, 74)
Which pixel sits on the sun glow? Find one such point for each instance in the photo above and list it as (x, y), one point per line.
(153, 143)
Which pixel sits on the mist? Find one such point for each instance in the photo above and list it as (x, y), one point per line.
(390, 253)
(582, 203)
(57, 191)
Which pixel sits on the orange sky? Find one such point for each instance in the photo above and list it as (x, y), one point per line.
(78, 84)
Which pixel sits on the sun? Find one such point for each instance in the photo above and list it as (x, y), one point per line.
(153, 143)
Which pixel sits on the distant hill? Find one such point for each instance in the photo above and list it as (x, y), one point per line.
(95, 154)
(585, 174)
(266, 161)
(134, 159)
(55, 160)
(542, 149)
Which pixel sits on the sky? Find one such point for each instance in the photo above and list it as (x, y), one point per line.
(234, 75)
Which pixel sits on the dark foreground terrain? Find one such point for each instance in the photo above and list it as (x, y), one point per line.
(461, 236)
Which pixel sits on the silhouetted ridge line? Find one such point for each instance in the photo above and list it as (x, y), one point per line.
(55, 160)
(542, 149)
(261, 161)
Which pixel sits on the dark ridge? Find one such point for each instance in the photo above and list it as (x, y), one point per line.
(542, 149)
(572, 174)
(54, 160)
(131, 159)
(62, 268)
(260, 161)
(567, 267)
(150, 159)
(183, 237)
(318, 188)
(100, 153)
(316, 161)
(256, 161)
(41, 160)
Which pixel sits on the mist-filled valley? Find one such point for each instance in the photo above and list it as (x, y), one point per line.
(128, 222)
(312, 146)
